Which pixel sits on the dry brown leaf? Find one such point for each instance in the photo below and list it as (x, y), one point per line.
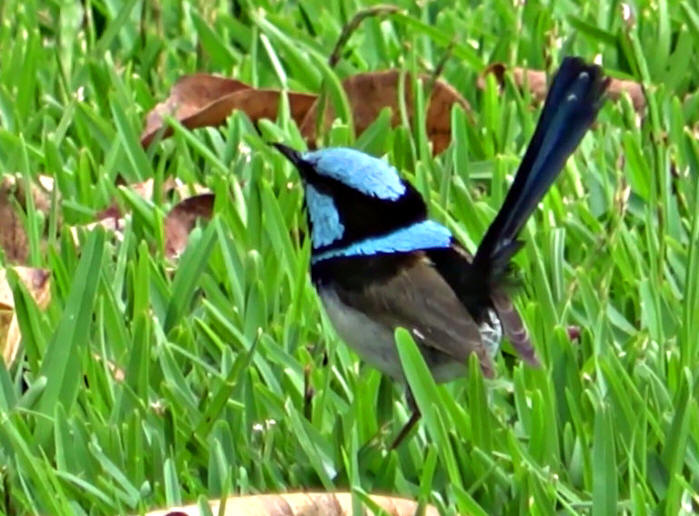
(438, 120)
(110, 219)
(298, 504)
(13, 237)
(144, 189)
(41, 190)
(618, 86)
(181, 220)
(114, 224)
(206, 100)
(188, 96)
(178, 223)
(535, 81)
(38, 285)
(8, 339)
(368, 93)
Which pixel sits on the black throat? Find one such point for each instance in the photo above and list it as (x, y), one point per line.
(364, 216)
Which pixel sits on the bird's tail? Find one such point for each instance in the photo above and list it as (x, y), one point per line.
(573, 101)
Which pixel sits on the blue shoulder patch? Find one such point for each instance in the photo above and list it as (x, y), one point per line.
(325, 220)
(427, 234)
(371, 176)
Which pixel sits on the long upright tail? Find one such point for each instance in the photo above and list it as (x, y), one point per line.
(573, 101)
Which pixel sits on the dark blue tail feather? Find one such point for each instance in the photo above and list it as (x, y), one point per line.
(573, 101)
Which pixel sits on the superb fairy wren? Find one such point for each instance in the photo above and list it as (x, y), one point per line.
(379, 263)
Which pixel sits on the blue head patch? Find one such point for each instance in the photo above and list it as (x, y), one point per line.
(325, 220)
(427, 234)
(367, 174)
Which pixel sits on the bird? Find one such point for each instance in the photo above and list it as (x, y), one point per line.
(378, 262)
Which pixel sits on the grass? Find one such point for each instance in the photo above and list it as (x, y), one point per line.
(217, 349)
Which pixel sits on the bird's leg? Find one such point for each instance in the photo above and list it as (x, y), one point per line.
(414, 418)
(308, 393)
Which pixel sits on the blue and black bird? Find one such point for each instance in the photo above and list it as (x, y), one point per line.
(378, 262)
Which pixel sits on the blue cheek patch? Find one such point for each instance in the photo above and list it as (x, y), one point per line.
(325, 220)
(367, 174)
(427, 234)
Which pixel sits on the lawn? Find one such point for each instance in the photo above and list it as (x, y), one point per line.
(152, 380)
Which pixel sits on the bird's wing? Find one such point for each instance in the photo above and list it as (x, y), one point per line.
(453, 265)
(417, 298)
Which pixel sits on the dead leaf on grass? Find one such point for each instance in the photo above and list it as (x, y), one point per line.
(13, 236)
(37, 282)
(144, 189)
(203, 100)
(179, 222)
(368, 93)
(617, 87)
(182, 219)
(535, 81)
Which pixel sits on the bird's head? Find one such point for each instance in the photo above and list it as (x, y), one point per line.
(351, 195)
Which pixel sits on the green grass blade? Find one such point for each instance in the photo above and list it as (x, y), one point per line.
(62, 363)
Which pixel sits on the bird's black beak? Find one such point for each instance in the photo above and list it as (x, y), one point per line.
(291, 154)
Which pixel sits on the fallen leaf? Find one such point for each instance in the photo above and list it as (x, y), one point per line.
(617, 87)
(181, 220)
(13, 237)
(298, 504)
(144, 189)
(205, 100)
(368, 93)
(10, 346)
(115, 224)
(37, 283)
(178, 223)
(110, 219)
(438, 120)
(535, 81)
(189, 95)
(202, 100)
